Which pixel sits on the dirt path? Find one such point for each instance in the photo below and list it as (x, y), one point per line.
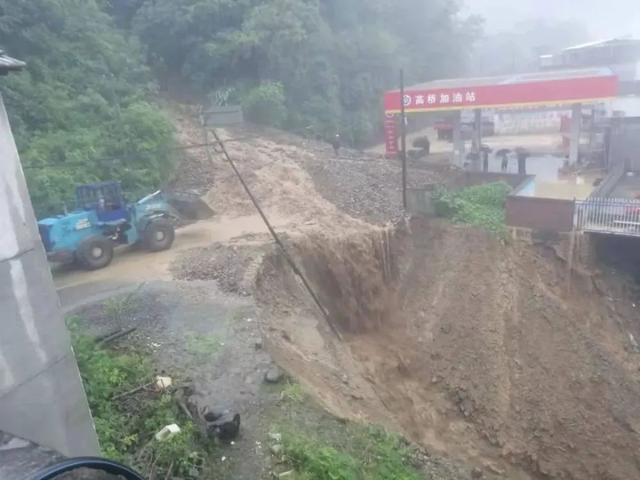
(135, 265)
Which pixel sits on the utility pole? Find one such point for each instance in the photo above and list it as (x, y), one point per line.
(403, 140)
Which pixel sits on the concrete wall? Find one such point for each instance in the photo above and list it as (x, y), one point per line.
(545, 214)
(419, 201)
(41, 394)
(625, 146)
(470, 179)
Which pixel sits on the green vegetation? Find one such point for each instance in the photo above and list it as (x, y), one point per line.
(481, 205)
(371, 454)
(203, 346)
(117, 309)
(293, 392)
(126, 424)
(312, 66)
(81, 111)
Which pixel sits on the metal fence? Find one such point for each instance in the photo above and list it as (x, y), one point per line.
(615, 216)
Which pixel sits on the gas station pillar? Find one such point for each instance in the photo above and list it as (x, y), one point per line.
(576, 123)
(458, 141)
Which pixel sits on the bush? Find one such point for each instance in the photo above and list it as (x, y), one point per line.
(126, 426)
(482, 205)
(370, 453)
(265, 104)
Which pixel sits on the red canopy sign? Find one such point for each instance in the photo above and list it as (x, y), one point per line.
(557, 91)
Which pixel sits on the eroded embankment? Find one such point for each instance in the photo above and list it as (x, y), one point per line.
(468, 346)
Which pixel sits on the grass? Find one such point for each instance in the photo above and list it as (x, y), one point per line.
(126, 425)
(293, 392)
(203, 346)
(481, 206)
(121, 307)
(318, 446)
(369, 453)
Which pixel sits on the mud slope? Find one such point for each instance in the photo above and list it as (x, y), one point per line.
(467, 346)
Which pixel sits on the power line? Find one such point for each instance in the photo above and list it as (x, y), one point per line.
(129, 157)
(275, 235)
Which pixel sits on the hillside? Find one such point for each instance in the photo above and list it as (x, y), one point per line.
(87, 107)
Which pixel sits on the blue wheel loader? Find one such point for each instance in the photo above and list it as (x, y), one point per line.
(103, 220)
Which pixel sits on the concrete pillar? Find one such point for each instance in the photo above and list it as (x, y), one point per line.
(477, 130)
(41, 395)
(576, 122)
(458, 142)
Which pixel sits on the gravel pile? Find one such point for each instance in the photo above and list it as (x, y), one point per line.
(231, 267)
(194, 173)
(369, 189)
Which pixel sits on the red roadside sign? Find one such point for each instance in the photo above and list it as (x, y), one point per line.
(391, 135)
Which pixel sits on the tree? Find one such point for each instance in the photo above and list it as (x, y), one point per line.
(82, 97)
(333, 58)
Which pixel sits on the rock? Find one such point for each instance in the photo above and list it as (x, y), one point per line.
(494, 469)
(273, 375)
(276, 449)
(276, 437)
(163, 383)
(226, 427)
(477, 473)
(466, 407)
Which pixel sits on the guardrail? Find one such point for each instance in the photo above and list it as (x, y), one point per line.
(613, 216)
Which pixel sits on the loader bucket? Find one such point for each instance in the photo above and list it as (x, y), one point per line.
(189, 205)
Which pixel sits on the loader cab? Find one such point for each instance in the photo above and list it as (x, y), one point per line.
(105, 198)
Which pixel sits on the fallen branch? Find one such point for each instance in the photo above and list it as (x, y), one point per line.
(168, 475)
(184, 407)
(135, 390)
(116, 335)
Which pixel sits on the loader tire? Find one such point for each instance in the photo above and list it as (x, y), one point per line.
(159, 235)
(95, 252)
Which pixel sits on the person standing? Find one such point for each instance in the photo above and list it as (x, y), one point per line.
(336, 143)
(503, 155)
(484, 152)
(522, 155)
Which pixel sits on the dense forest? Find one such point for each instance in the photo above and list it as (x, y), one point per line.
(86, 108)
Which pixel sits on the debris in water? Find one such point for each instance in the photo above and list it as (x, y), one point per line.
(167, 432)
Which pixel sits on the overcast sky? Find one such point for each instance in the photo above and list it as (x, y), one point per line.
(603, 18)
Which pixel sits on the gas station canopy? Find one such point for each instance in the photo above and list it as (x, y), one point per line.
(562, 87)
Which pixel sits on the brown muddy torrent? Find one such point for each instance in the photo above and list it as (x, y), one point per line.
(469, 347)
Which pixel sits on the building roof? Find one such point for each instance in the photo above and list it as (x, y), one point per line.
(514, 79)
(9, 64)
(559, 87)
(612, 42)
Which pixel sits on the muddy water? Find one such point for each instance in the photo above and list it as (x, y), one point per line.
(137, 265)
(465, 345)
